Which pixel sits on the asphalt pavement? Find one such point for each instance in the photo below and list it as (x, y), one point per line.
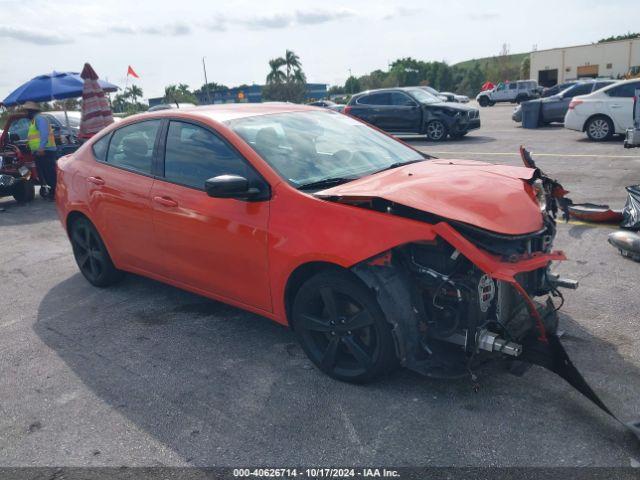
(143, 374)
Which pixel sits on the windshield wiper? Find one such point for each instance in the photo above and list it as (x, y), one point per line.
(399, 164)
(325, 183)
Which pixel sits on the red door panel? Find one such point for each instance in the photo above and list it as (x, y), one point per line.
(215, 245)
(120, 207)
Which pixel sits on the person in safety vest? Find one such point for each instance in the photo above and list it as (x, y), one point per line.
(43, 145)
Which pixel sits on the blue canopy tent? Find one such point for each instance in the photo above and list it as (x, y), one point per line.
(53, 86)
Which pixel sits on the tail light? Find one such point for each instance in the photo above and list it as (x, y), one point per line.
(347, 110)
(574, 104)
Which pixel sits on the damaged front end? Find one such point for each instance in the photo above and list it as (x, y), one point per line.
(472, 295)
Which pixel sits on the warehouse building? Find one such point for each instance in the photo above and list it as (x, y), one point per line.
(609, 59)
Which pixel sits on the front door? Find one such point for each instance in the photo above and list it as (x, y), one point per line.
(215, 245)
(403, 115)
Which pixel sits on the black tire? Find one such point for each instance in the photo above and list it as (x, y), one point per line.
(342, 329)
(91, 254)
(483, 101)
(599, 128)
(45, 191)
(436, 130)
(491, 103)
(24, 191)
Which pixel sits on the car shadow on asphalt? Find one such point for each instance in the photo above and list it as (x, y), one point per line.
(220, 385)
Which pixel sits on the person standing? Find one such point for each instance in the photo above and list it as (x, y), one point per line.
(43, 145)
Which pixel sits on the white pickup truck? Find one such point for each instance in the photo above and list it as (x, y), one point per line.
(514, 92)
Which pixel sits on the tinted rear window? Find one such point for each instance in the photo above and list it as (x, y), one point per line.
(375, 99)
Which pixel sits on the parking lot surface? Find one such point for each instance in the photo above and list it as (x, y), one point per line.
(143, 374)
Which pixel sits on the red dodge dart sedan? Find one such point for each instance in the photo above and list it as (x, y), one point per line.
(374, 253)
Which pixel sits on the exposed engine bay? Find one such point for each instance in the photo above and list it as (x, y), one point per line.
(471, 295)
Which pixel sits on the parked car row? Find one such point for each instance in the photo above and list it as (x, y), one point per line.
(554, 108)
(600, 108)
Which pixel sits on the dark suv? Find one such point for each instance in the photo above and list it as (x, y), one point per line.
(413, 111)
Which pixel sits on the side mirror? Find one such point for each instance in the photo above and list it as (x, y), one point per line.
(231, 186)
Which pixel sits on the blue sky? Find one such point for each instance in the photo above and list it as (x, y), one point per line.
(165, 42)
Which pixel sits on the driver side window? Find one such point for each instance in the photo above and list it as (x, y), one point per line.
(194, 154)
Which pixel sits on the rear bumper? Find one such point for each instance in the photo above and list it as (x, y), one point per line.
(573, 121)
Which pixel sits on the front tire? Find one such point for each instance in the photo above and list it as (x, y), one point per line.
(91, 255)
(483, 101)
(436, 130)
(342, 329)
(599, 129)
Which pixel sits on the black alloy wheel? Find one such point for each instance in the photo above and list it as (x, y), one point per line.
(342, 329)
(91, 254)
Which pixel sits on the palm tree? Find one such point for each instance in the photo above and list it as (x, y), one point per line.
(135, 92)
(276, 75)
(298, 76)
(292, 61)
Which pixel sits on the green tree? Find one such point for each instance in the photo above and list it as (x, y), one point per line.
(134, 92)
(276, 75)
(525, 68)
(179, 94)
(352, 85)
(289, 85)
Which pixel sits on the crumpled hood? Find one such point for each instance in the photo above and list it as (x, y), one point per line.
(492, 197)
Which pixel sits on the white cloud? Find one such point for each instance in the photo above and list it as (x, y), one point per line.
(32, 36)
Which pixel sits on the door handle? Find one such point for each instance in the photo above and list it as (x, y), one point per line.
(615, 105)
(166, 201)
(95, 180)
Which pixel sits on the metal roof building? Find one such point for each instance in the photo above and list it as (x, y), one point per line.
(608, 59)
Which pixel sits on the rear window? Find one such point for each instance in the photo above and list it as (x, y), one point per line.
(131, 147)
(100, 148)
(626, 90)
(375, 99)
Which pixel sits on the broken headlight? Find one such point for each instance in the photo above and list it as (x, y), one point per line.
(541, 196)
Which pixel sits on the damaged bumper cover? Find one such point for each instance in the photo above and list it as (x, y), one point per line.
(399, 298)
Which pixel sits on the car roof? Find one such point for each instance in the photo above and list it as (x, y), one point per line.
(229, 111)
(616, 84)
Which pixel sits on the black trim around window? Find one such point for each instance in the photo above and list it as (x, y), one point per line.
(120, 167)
(162, 150)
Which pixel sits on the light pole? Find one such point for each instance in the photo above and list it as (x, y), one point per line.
(206, 82)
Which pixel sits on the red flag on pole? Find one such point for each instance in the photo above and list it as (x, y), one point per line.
(131, 72)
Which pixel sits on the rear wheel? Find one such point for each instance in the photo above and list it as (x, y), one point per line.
(436, 130)
(342, 329)
(24, 191)
(599, 128)
(91, 255)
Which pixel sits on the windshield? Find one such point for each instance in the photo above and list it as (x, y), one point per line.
(309, 147)
(423, 96)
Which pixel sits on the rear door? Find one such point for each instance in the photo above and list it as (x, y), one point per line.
(620, 105)
(215, 245)
(369, 107)
(118, 186)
